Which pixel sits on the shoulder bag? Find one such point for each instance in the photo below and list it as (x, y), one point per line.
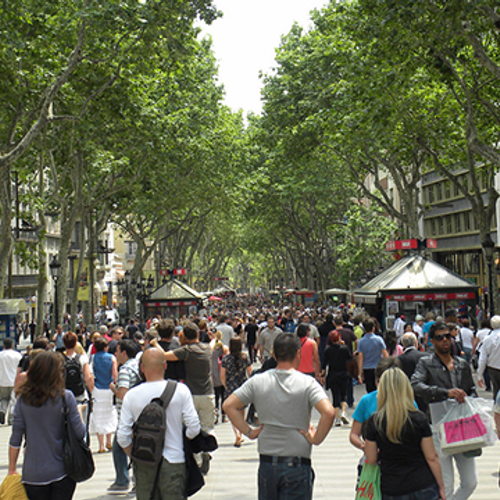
(77, 457)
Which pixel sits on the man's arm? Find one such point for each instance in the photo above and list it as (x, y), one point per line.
(327, 413)
(385, 354)
(88, 378)
(124, 431)
(360, 367)
(232, 407)
(169, 355)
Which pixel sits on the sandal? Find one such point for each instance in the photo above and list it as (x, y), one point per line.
(102, 451)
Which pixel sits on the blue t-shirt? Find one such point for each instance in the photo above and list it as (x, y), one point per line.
(367, 406)
(371, 346)
(426, 329)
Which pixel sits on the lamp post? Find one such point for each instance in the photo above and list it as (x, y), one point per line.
(144, 288)
(489, 250)
(55, 271)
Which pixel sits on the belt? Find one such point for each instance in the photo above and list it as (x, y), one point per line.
(290, 461)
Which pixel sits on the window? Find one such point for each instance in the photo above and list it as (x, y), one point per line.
(441, 225)
(467, 221)
(131, 249)
(458, 223)
(430, 194)
(449, 224)
(439, 191)
(447, 190)
(433, 227)
(471, 263)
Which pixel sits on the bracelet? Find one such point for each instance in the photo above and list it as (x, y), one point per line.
(247, 434)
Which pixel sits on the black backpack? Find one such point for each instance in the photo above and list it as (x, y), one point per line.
(74, 375)
(149, 429)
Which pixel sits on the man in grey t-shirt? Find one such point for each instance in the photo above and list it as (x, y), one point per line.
(286, 434)
(265, 339)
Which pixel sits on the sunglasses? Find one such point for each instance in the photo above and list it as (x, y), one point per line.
(439, 338)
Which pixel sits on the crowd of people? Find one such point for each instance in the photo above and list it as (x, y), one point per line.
(233, 360)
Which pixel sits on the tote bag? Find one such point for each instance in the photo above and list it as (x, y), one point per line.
(369, 483)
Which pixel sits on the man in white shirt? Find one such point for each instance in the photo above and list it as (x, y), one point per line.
(490, 357)
(9, 361)
(180, 410)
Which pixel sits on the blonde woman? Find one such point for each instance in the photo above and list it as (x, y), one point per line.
(399, 437)
(219, 350)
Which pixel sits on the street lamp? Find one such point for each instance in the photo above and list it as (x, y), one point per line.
(489, 250)
(144, 288)
(55, 271)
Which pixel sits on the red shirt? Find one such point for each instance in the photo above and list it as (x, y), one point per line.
(306, 355)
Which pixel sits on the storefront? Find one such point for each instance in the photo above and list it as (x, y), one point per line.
(10, 310)
(416, 285)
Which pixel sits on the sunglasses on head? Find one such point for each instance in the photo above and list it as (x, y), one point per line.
(440, 337)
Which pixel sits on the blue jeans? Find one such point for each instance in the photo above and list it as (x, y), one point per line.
(429, 493)
(120, 460)
(282, 481)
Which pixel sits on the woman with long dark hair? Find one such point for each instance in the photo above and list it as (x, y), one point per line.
(394, 349)
(235, 369)
(39, 419)
(400, 438)
(337, 377)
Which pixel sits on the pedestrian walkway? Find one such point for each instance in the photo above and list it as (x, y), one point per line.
(233, 474)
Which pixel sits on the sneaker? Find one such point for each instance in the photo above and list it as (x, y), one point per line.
(337, 422)
(118, 488)
(344, 418)
(205, 463)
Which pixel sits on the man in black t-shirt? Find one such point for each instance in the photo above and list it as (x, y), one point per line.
(197, 358)
(324, 330)
(251, 333)
(168, 342)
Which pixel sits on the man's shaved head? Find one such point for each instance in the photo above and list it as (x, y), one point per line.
(153, 362)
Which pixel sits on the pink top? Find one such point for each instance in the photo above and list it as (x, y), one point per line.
(306, 355)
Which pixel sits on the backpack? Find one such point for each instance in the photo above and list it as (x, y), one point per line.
(74, 375)
(149, 429)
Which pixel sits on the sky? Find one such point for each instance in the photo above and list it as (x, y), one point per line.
(245, 40)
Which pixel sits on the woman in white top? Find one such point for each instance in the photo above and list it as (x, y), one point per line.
(468, 338)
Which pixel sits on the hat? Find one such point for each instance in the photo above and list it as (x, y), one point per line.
(419, 317)
(154, 321)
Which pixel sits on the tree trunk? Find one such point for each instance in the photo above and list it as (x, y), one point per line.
(6, 242)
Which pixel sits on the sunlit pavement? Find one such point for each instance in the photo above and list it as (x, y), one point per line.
(233, 473)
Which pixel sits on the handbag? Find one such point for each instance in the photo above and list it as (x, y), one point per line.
(369, 483)
(77, 457)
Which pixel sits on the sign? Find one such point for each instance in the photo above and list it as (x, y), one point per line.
(174, 303)
(422, 297)
(172, 272)
(82, 281)
(411, 244)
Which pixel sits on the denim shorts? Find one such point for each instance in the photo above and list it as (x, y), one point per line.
(429, 493)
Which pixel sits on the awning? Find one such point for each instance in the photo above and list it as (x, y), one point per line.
(365, 299)
(12, 306)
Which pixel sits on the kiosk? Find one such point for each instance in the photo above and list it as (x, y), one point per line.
(9, 311)
(416, 285)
